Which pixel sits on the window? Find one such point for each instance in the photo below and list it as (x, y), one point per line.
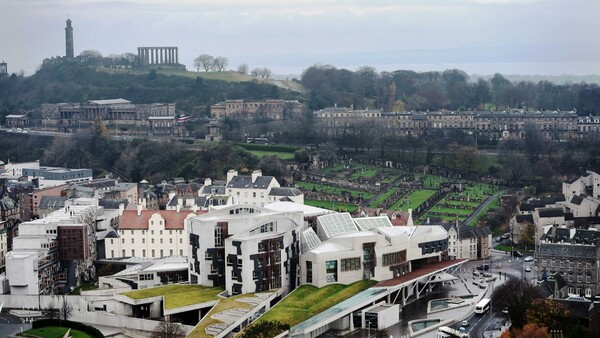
(111, 241)
(143, 240)
(308, 271)
(394, 258)
(171, 252)
(123, 240)
(588, 279)
(350, 264)
(181, 252)
(331, 271)
(161, 241)
(143, 252)
(181, 240)
(132, 252)
(152, 253)
(132, 241)
(170, 240)
(152, 240)
(160, 230)
(161, 253)
(112, 253)
(132, 232)
(123, 253)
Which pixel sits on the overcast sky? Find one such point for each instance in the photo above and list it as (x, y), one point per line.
(479, 36)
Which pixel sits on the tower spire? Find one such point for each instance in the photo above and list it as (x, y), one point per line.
(69, 39)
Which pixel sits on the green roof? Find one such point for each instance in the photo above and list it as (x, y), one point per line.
(177, 295)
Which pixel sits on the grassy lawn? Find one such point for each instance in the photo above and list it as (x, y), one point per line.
(382, 197)
(224, 304)
(328, 189)
(366, 173)
(492, 206)
(279, 154)
(415, 199)
(342, 207)
(178, 295)
(56, 332)
(307, 301)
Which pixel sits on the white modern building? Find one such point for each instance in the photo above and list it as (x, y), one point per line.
(56, 253)
(245, 249)
(150, 234)
(346, 250)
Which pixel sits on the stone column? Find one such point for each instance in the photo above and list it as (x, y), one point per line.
(162, 55)
(176, 55)
(170, 55)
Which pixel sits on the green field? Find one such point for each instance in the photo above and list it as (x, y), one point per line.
(341, 207)
(414, 200)
(56, 332)
(383, 197)
(492, 206)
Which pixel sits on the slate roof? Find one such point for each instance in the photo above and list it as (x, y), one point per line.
(563, 234)
(524, 218)
(52, 202)
(113, 203)
(199, 201)
(465, 230)
(577, 199)
(586, 236)
(99, 183)
(285, 192)
(567, 250)
(526, 207)
(245, 182)
(553, 282)
(484, 231)
(577, 309)
(213, 190)
(572, 180)
(551, 212)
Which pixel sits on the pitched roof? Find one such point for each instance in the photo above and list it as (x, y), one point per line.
(526, 206)
(173, 219)
(285, 191)
(213, 190)
(245, 182)
(577, 199)
(110, 203)
(524, 218)
(52, 202)
(567, 250)
(551, 212)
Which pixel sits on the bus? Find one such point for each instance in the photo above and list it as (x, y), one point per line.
(483, 306)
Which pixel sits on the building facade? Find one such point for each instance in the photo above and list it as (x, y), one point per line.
(574, 254)
(244, 109)
(55, 254)
(150, 234)
(245, 249)
(119, 115)
(553, 125)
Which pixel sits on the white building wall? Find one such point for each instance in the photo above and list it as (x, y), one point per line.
(155, 242)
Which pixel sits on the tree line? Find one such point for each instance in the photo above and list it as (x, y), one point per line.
(406, 90)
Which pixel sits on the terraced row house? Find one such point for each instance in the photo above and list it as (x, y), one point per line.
(513, 124)
(244, 109)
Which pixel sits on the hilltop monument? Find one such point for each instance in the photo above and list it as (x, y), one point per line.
(69, 40)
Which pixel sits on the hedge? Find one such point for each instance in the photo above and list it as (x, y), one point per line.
(263, 147)
(92, 331)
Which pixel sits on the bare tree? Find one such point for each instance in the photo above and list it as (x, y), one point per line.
(168, 329)
(264, 73)
(204, 61)
(243, 68)
(220, 63)
(65, 310)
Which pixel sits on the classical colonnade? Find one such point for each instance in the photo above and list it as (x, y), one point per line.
(158, 55)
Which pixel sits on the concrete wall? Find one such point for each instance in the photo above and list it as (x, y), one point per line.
(97, 318)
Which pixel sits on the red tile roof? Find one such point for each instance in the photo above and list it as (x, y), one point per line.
(173, 219)
(418, 273)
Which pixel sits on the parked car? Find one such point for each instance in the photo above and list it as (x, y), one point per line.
(483, 267)
(527, 269)
(498, 239)
(464, 323)
(528, 259)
